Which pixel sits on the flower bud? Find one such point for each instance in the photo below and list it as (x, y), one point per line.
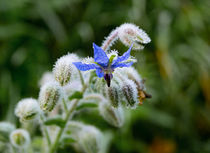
(129, 33)
(64, 68)
(113, 93)
(112, 115)
(20, 138)
(90, 139)
(50, 94)
(130, 92)
(5, 129)
(133, 75)
(27, 109)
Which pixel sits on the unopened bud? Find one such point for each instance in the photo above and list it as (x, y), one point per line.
(50, 94)
(5, 129)
(90, 139)
(64, 68)
(114, 116)
(129, 33)
(20, 138)
(27, 109)
(130, 92)
(133, 75)
(113, 93)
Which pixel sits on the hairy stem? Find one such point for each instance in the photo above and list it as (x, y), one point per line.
(81, 78)
(108, 42)
(45, 131)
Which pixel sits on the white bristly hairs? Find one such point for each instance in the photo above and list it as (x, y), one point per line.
(27, 109)
(64, 68)
(128, 34)
(20, 138)
(49, 95)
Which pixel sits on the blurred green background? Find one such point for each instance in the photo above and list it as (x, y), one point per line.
(176, 64)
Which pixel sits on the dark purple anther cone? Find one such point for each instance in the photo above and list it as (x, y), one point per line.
(108, 78)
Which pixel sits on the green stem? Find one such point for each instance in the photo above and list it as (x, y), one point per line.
(81, 78)
(45, 131)
(65, 106)
(13, 148)
(68, 116)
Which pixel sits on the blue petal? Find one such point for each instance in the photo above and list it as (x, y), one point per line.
(122, 65)
(124, 57)
(84, 67)
(100, 56)
(99, 72)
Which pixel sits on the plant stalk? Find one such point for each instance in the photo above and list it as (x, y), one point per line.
(68, 116)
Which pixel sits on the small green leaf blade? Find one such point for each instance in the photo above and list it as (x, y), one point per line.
(76, 95)
(86, 105)
(55, 121)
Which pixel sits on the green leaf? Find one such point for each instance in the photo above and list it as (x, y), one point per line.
(87, 105)
(66, 140)
(76, 95)
(55, 121)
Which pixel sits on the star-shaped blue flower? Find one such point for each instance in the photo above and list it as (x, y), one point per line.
(105, 66)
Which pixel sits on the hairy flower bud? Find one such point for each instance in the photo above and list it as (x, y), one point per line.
(5, 129)
(112, 115)
(64, 68)
(49, 95)
(90, 139)
(20, 138)
(113, 93)
(130, 92)
(27, 109)
(133, 75)
(129, 33)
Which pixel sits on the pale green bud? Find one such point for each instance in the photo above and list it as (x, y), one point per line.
(90, 139)
(27, 109)
(64, 68)
(5, 129)
(130, 92)
(49, 95)
(20, 138)
(114, 116)
(131, 34)
(113, 93)
(132, 74)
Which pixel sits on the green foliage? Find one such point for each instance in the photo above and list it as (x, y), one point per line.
(86, 105)
(57, 120)
(76, 95)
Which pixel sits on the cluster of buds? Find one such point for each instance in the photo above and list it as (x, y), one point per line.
(127, 88)
(121, 86)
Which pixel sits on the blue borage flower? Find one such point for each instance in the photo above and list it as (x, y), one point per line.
(104, 65)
